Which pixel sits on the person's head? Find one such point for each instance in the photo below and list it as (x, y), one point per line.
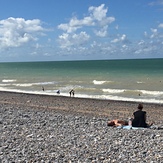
(111, 123)
(140, 106)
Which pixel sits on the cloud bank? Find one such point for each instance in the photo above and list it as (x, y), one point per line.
(15, 32)
(86, 32)
(97, 21)
(96, 34)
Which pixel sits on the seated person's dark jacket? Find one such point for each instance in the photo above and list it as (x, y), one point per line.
(139, 119)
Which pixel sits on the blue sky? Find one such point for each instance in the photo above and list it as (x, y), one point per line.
(39, 30)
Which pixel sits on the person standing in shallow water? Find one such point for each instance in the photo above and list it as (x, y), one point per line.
(139, 118)
(72, 92)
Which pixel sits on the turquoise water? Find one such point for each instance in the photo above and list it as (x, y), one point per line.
(127, 80)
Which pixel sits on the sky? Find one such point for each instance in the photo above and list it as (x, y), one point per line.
(54, 30)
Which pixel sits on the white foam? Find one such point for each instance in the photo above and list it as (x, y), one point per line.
(44, 83)
(67, 88)
(23, 85)
(4, 85)
(98, 82)
(24, 91)
(8, 80)
(118, 98)
(31, 84)
(113, 90)
(140, 82)
(156, 93)
(106, 97)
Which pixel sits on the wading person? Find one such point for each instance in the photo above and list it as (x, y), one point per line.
(72, 92)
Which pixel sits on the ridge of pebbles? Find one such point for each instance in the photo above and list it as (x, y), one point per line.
(40, 135)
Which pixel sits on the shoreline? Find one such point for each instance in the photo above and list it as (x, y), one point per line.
(84, 98)
(95, 107)
(121, 99)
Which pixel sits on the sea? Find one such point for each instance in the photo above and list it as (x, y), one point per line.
(138, 80)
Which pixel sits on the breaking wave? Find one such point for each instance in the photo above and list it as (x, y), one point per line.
(97, 82)
(8, 80)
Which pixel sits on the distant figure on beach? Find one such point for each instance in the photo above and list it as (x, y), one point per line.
(72, 92)
(140, 118)
(43, 88)
(58, 92)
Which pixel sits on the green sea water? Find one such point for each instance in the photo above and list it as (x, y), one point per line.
(127, 80)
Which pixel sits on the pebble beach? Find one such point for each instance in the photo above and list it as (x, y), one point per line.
(57, 129)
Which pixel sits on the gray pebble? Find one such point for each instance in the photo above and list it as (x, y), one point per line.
(37, 135)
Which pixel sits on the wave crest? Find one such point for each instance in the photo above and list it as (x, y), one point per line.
(114, 90)
(8, 80)
(100, 82)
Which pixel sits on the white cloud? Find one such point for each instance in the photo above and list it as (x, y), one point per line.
(116, 27)
(156, 2)
(160, 25)
(102, 32)
(67, 40)
(97, 19)
(16, 31)
(80, 37)
(75, 24)
(145, 34)
(87, 21)
(122, 38)
(68, 28)
(115, 40)
(141, 42)
(124, 46)
(154, 33)
(99, 14)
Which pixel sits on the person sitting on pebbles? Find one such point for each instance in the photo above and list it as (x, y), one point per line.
(139, 120)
